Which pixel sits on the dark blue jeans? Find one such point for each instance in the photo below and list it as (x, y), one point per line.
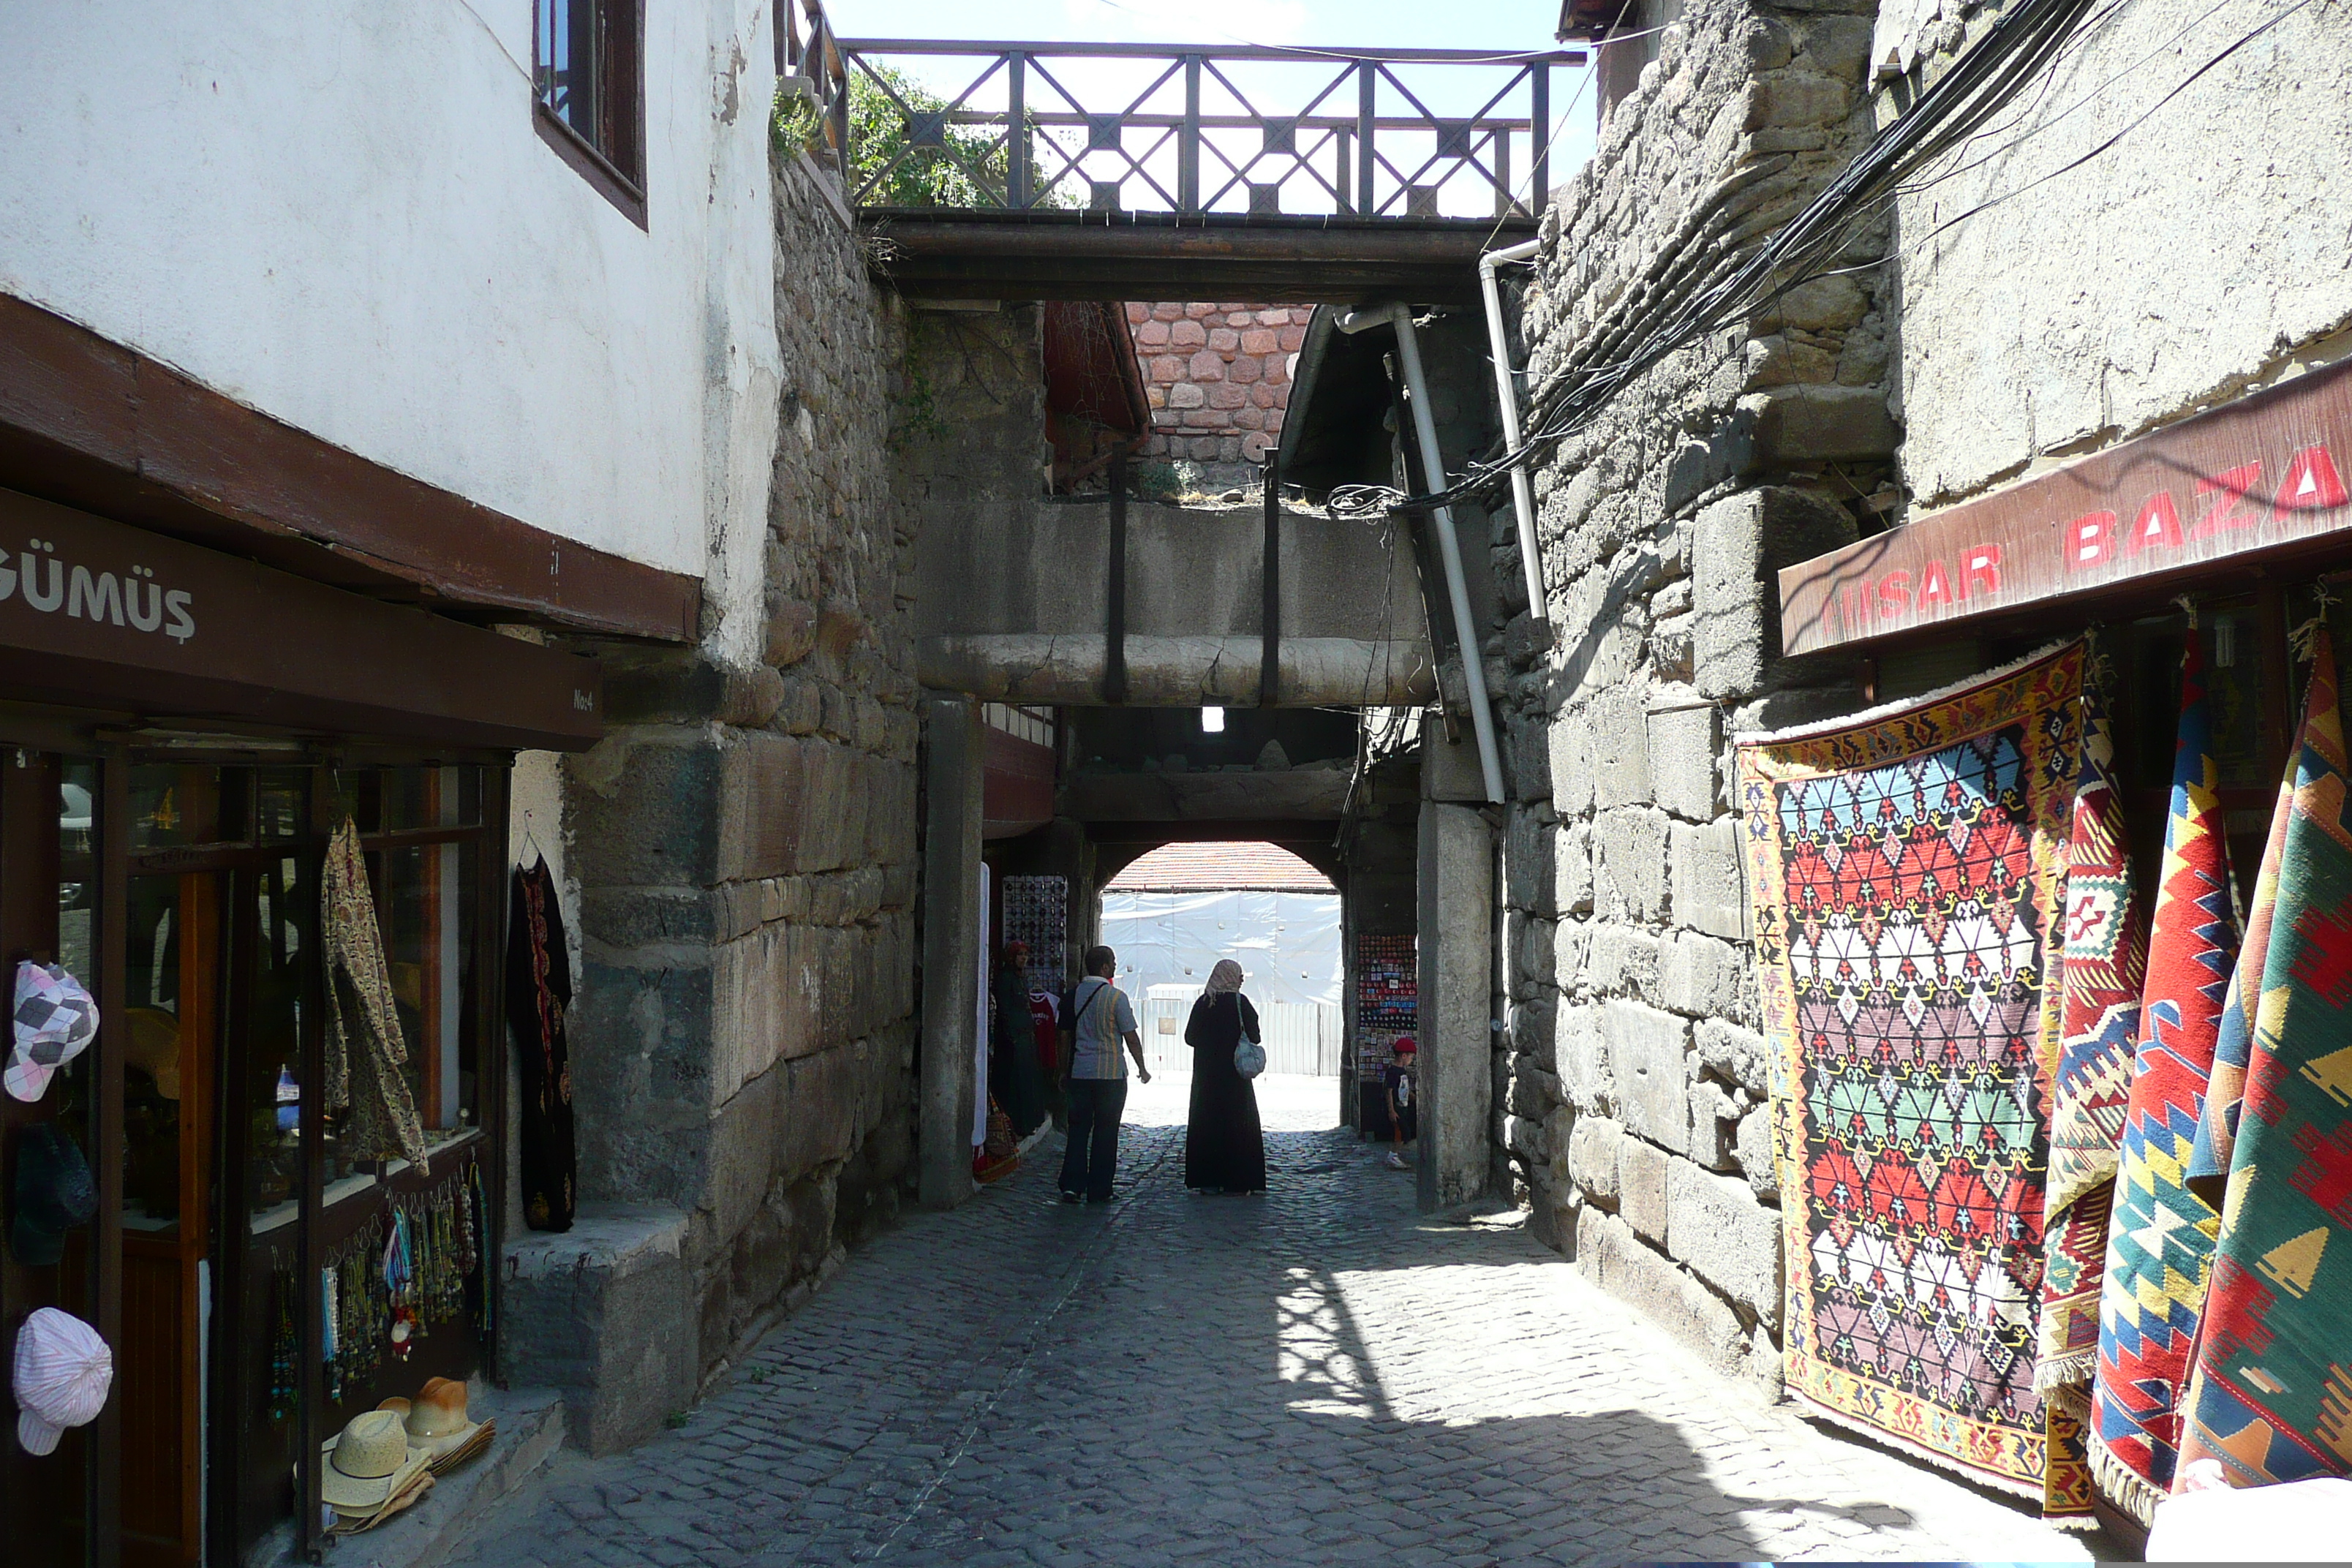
(1096, 1106)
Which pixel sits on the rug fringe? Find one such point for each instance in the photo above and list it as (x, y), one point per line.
(1901, 705)
(2062, 1371)
(2120, 1484)
(2030, 1490)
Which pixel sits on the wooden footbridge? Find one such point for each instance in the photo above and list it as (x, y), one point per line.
(1146, 170)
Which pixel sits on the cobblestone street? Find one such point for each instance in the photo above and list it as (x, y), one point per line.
(1319, 1375)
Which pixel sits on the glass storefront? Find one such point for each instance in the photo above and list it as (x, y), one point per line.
(238, 1264)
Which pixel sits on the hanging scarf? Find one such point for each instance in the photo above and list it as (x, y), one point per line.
(2160, 1239)
(365, 1052)
(538, 995)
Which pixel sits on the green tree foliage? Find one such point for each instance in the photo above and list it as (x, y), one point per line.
(940, 176)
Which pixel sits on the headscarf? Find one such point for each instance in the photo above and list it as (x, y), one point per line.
(1225, 979)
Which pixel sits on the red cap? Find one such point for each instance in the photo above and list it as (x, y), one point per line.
(1404, 1043)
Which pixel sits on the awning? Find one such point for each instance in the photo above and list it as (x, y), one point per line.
(2252, 487)
(96, 613)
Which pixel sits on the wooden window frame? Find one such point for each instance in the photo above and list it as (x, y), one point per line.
(620, 179)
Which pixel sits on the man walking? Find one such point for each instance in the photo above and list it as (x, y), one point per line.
(1101, 1019)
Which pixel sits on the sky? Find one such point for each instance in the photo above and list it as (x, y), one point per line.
(1274, 89)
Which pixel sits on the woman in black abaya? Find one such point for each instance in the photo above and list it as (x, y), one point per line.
(1224, 1150)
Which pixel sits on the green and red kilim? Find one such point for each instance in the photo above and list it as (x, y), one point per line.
(2272, 1400)
(1907, 869)
(2160, 1238)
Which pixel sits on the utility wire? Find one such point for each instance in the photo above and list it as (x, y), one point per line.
(1949, 114)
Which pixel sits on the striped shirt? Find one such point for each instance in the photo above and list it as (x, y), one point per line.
(1102, 1021)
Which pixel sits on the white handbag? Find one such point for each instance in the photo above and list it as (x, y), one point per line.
(1249, 1056)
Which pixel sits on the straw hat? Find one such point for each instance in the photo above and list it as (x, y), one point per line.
(368, 1462)
(436, 1419)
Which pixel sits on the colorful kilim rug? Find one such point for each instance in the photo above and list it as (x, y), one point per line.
(2216, 1128)
(1908, 872)
(2105, 962)
(2106, 966)
(2160, 1239)
(2272, 1400)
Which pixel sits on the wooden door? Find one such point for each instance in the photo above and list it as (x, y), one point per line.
(172, 1029)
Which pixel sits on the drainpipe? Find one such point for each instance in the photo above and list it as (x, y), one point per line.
(1507, 396)
(1449, 549)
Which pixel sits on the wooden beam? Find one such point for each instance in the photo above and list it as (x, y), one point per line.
(91, 423)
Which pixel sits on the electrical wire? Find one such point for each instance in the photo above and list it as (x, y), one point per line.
(2019, 46)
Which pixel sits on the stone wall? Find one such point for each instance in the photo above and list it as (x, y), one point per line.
(1218, 376)
(2073, 315)
(744, 840)
(1631, 1098)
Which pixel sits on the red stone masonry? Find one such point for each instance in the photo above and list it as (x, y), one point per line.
(1218, 376)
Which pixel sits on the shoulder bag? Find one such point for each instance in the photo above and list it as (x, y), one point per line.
(1249, 1056)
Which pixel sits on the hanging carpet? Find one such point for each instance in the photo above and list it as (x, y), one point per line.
(2105, 961)
(1907, 869)
(2160, 1239)
(2271, 1398)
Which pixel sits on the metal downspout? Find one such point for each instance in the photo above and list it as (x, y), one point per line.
(1449, 548)
(1506, 397)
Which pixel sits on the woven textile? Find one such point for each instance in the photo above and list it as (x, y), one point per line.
(365, 1049)
(2216, 1128)
(2161, 1240)
(1908, 872)
(2106, 962)
(2271, 1399)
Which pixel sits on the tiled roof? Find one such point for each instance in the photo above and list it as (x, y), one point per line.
(1186, 867)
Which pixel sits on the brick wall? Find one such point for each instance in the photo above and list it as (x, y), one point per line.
(1218, 376)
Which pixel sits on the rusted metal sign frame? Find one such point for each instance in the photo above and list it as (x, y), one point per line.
(96, 613)
(2254, 485)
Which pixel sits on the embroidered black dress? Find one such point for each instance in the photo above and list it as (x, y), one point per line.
(1223, 1148)
(538, 990)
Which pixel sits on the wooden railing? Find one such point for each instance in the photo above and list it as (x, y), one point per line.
(1175, 128)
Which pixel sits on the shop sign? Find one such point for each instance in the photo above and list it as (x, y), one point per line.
(2265, 473)
(96, 613)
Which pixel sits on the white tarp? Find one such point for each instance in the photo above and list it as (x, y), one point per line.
(1286, 943)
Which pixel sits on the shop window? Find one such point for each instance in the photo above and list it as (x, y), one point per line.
(242, 1217)
(589, 76)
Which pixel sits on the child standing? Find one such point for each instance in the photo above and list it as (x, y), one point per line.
(1397, 1078)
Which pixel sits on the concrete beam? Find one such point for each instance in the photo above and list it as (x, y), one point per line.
(954, 746)
(1456, 914)
(1066, 670)
(1308, 260)
(1305, 794)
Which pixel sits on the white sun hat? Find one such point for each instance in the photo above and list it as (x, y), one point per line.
(63, 1371)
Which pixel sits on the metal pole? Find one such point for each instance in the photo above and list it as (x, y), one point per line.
(1016, 131)
(1188, 140)
(1367, 110)
(1269, 624)
(1507, 399)
(1115, 587)
(1449, 548)
(1539, 136)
